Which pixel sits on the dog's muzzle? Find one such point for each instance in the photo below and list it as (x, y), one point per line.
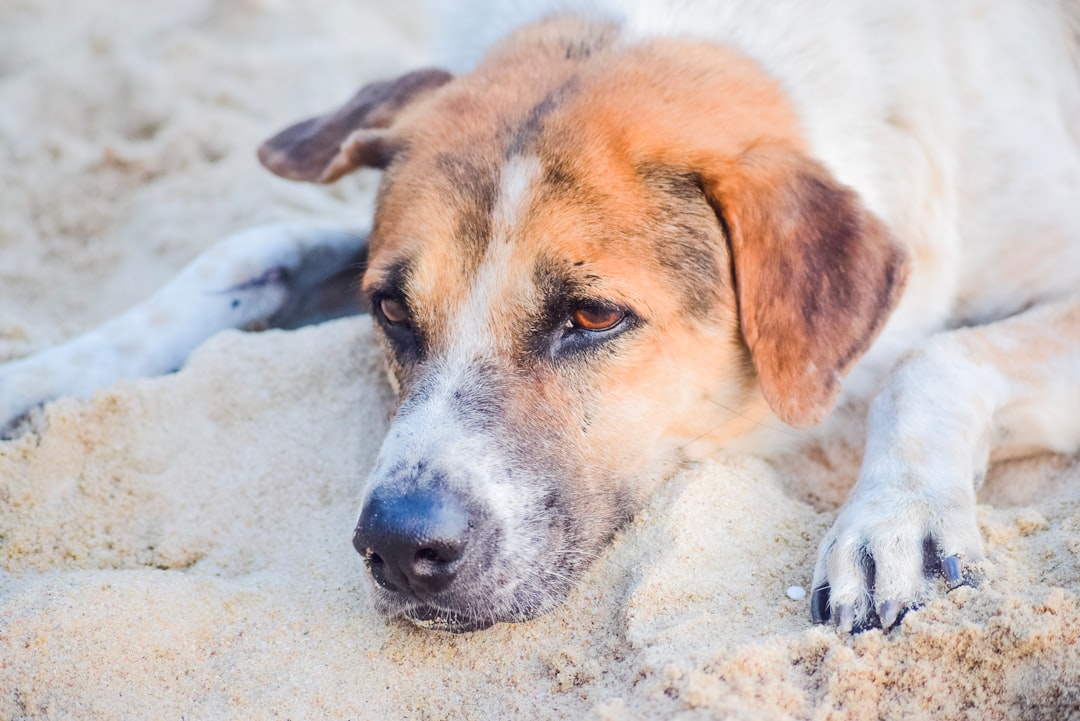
(414, 544)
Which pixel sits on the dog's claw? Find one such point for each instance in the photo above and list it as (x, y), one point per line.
(890, 614)
(819, 604)
(845, 617)
(953, 572)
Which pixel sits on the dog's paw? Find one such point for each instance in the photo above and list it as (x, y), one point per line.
(886, 553)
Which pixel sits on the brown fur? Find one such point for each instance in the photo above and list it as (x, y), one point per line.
(817, 274)
(673, 181)
(326, 147)
(792, 228)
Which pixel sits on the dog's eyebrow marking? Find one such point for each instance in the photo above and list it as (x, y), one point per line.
(556, 282)
(473, 184)
(559, 178)
(559, 288)
(393, 278)
(526, 133)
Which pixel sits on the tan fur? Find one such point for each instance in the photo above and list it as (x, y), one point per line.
(690, 376)
(609, 126)
(672, 181)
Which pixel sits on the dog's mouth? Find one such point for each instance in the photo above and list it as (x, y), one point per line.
(436, 619)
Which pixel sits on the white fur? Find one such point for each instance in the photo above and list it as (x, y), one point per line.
(930, 434)
(244, 279)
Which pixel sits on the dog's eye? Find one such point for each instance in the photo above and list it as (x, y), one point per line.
(585, 327)
(394, 311)
(393, 316)
(597, 319)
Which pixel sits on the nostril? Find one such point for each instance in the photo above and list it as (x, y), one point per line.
(428, 554)
(413, 543)
(446, 552)
(435, 564)
(377, 567)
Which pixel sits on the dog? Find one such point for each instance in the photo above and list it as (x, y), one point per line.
(631, 234)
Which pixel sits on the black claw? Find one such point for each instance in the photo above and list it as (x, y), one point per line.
(819, 604)
(845, 617)
(931, 557)
(905, 611)
(953, 572)
(893, 613)
(890, 614)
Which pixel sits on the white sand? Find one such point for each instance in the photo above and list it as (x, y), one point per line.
(180, 547)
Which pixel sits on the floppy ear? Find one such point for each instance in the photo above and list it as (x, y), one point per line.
(816, 275)
(324, 148)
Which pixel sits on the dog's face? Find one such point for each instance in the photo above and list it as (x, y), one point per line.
(588, 263)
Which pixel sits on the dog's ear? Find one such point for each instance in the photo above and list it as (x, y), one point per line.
(816, 275)
(356, 135)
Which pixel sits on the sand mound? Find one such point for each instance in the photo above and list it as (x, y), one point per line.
(180, 547)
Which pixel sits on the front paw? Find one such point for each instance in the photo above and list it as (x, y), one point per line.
(884, 556)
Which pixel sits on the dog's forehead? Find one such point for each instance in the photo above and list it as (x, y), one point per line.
(488, 245)
(515, 174)
(467, 165)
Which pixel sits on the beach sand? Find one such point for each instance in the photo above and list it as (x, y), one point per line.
(180, 547)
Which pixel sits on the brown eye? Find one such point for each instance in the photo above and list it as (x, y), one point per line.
(597, 319)
(394, 311)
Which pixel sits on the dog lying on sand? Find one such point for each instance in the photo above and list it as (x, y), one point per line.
(635, 233)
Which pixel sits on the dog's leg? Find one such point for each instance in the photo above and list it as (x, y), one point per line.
(1012, 386)
(275, 275)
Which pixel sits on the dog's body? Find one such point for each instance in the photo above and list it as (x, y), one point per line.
(637, 234)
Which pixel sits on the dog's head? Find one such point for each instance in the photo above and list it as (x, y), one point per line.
(588, 259)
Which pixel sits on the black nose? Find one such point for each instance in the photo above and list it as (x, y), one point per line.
(412, 543)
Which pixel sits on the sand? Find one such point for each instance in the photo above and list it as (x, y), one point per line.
(179, 547)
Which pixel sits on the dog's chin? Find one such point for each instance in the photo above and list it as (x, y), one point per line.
(448, 617)
(435, 618)
(431, 618)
